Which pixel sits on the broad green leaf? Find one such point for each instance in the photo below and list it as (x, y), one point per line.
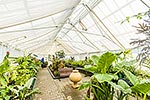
(105, 77)
(90, 68)
(7, 97)
(142, 88)
(115, 86)
(4, 66)
(32, 92)
(2, 81)
(133, 79)
(120, 87)
(14, 90)
(84, 85)
(148, 93)
(29, 82)
(123, 84)
(105, 61)
(20, 87)
(95, 59)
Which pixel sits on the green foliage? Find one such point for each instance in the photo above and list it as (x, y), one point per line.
(105, 62)
(123, 84)
(16, 77)
(84, 85)
(99, 81)
(105, 77)
(139, 86)
(133, 79)
(4, 66)
(56, 64)
(95, 59)
(24, 92)
(90, 68)
(137, 16)
(142, 88)
(101, 64)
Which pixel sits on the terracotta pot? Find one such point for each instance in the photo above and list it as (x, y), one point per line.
(75, 77)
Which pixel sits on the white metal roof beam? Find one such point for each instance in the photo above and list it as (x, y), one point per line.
(35, 47)
(89, 33)
(85, 37)
(64, 46)
(33, 44)
(120, 44)
(119, 9)
(85, 12)
(31, 20)
(29, 29)
(41, 36)
(72, 44)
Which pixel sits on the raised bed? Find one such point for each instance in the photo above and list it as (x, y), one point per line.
(51, 73)
(81, 70)
(32, 87)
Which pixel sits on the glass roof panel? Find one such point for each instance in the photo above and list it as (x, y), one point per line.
(76, 26)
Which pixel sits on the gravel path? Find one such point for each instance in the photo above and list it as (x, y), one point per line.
(49, 90)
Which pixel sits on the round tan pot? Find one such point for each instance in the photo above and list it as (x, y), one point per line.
(75, 77)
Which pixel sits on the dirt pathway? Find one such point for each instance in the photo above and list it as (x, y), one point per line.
(48, 88)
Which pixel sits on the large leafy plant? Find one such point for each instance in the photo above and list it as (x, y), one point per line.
(16, 76)
(101, 64)
(99, 83)
(106, 83)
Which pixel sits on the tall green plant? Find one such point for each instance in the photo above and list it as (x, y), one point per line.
(98, 84)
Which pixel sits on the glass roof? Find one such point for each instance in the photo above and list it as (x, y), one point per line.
(75, 26)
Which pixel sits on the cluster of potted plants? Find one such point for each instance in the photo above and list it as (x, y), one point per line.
(17, 77)
(55, 66)
(58, 68)
(61, 67)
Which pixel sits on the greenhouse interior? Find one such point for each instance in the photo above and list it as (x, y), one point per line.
(75, 50)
